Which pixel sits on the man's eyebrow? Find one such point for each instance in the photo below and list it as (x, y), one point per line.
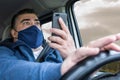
(25, 20)
(36, 19)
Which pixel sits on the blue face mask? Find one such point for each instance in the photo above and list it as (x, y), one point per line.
(32, 36)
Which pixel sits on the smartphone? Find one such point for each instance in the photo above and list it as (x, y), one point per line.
(55, 20)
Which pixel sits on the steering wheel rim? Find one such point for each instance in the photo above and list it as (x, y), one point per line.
(85, 68)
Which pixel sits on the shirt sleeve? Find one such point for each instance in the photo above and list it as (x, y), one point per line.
(22, 70)
(13, 69)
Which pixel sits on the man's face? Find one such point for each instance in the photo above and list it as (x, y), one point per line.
(26, 20)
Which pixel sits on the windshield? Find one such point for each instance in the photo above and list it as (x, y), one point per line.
(98, 18)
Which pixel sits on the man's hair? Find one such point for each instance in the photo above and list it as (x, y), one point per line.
(23, 11)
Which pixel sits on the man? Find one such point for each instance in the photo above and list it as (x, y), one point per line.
(17, 55)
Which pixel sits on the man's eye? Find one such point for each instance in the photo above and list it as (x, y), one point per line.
(37, 23)
(26, 23)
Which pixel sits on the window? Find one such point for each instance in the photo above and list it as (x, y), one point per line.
(97, 18)
(45, 29)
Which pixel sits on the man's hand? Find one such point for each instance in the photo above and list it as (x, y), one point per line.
(64, 42)
(65, 45)
(79, 55)
(93, 48)
(106, 43)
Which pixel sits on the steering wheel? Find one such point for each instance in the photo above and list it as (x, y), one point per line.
(84, 69)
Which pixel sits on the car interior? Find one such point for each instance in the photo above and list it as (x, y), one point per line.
(45, 10)
(42, 8)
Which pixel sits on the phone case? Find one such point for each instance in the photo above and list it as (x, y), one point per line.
(55, 21)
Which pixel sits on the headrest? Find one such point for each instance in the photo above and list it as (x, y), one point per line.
(6, 33)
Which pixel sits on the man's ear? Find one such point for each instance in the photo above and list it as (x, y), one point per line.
(14, 34)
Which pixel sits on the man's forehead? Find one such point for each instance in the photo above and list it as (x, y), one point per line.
(27, 16)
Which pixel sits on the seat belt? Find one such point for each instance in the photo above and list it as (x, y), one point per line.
(46, 48)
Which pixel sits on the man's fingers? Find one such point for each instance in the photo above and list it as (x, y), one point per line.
(118, 36)
(99, 43)
(63, 25)
(54, 45)
(59, 33)
(112, 46)
(87, 51)
(56, 39)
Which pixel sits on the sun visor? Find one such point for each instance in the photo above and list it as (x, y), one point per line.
(52, 3)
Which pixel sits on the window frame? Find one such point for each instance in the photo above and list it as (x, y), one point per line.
(73, 25)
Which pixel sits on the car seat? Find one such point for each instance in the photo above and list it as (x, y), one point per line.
(6, 33)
